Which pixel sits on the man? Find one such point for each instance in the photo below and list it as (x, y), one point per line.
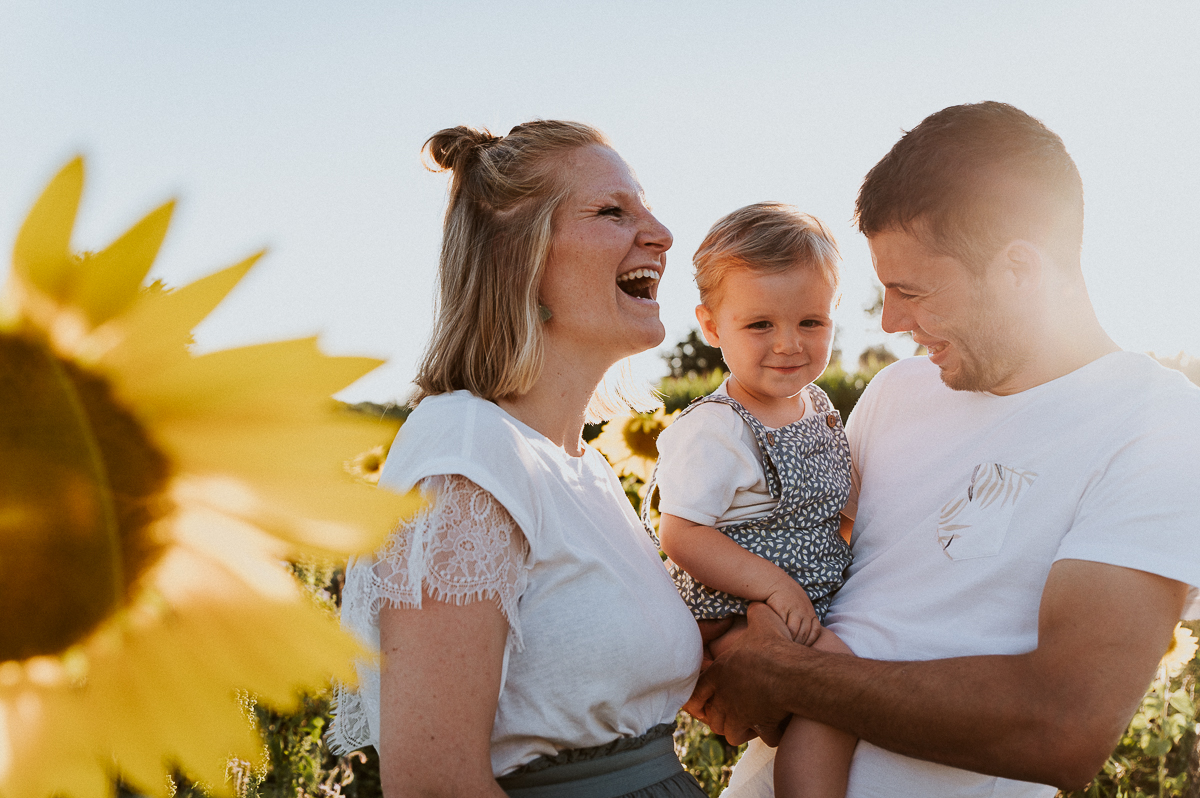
(1026, 523)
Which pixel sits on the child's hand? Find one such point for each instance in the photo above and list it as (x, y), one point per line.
(792, 605)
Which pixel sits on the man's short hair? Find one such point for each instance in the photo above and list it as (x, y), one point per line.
(971, 178)
(766, 237)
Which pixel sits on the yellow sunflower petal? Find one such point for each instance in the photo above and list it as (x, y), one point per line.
(248, 382)
(316, 508)
(42, 254)
(68, 767)
(1180, 652)
(108, 281)
(223, 464)
(158, 329)
(272, 641)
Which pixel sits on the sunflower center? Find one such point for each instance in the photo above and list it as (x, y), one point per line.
(81, 485)
(641, 436)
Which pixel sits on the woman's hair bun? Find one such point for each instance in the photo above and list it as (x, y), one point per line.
(455, 148)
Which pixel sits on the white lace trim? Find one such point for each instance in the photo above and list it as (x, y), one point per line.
(463, 547)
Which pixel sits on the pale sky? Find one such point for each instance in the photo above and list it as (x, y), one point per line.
(297, 126)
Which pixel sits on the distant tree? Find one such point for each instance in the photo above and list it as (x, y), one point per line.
(874, 358)
(693, 357)
(391, 410)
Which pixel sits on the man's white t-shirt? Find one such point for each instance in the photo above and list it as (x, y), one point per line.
(965, 500)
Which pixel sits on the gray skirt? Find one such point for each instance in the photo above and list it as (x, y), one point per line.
(629, 767)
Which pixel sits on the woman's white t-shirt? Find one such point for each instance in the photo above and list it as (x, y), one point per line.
(600, 644)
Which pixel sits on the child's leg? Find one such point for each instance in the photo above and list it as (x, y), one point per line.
(814, 759)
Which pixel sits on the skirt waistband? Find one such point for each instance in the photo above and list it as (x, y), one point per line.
(607, 777)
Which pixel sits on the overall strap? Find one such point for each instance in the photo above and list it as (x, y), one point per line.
(766, 444)
(820, 400)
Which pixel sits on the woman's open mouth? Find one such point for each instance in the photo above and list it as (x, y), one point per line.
(639, 283)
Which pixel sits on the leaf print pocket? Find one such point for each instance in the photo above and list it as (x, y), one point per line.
(975, 522)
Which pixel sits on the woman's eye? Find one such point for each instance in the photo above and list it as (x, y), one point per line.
(611, 210)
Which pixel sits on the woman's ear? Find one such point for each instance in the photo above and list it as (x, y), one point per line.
(708, 327)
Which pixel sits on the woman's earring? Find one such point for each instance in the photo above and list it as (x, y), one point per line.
(545, 313)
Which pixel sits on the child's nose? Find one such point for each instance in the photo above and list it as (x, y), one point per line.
(789, 342)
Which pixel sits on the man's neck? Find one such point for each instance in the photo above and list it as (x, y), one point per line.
(1071, 340)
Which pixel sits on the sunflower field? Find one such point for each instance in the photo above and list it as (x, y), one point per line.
(173, 527)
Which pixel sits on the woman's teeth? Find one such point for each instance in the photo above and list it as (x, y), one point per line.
(638, 283)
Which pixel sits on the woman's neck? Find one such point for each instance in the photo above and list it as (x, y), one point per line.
(556, 405)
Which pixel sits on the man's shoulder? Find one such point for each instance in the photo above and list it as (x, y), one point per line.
(911, 376)
(1146, 388)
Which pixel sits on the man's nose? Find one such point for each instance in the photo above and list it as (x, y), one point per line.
(896, 317)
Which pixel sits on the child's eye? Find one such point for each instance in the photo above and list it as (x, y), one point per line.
(812, 323)
(759, 325)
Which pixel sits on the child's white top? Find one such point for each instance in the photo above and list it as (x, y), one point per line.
(710, 467)
(601, 646)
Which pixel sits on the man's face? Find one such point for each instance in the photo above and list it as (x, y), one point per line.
(960, 317)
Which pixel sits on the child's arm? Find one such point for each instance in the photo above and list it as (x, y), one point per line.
(714, 560)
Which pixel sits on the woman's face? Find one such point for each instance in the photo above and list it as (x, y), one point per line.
(606, 258)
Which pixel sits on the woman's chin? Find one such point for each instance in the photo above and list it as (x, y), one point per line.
(649, 335)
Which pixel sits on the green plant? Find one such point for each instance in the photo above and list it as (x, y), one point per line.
(706, 756)
(1154, 757)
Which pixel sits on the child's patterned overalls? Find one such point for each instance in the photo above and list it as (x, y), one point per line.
(807, 467)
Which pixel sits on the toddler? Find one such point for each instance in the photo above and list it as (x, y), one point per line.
(752, 478)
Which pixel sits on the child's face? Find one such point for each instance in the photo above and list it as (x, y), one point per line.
(775, 331)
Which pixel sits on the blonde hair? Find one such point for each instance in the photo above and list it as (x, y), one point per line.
(487, 334)
(765, 237)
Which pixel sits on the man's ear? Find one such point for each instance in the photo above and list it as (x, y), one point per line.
(708, 327)
(1023, 265)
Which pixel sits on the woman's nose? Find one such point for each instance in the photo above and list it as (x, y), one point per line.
(655, 234)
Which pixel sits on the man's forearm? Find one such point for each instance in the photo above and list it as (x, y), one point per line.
(987, 714)
(1051, 715)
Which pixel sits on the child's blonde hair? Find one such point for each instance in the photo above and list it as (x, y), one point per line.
(765, 237)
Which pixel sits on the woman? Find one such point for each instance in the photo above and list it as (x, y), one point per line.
(530, 635)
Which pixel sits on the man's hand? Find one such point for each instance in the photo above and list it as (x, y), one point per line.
(710, 631)
(735, 695)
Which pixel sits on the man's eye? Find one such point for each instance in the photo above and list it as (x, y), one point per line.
(611, 210)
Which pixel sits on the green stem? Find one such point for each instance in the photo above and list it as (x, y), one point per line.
(1165, 693)
(99, 473)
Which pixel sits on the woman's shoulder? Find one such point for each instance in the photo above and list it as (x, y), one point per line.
(456, 421)
(459, 433)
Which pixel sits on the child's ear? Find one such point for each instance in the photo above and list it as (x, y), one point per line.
(708, 327)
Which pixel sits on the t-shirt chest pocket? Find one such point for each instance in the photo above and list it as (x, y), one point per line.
(975, 522)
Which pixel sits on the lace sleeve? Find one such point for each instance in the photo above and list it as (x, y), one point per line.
(462, 547)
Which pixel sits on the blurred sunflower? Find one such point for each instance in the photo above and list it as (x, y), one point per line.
(1180, 652)
(630, 442)
(368, 465)
(147, 500)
